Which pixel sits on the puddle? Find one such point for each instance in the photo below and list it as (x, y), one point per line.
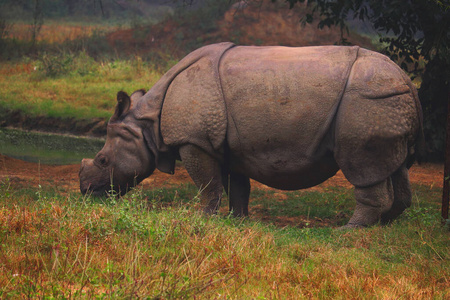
(46, 148)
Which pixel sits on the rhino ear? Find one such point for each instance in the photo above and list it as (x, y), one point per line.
(122, 107)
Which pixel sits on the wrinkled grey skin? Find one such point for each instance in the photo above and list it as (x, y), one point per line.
(287, 117)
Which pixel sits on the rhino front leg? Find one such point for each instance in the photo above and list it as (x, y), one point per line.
(371, 203)
(205, 171)
(237, 186)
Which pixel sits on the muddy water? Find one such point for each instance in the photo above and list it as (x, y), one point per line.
(53, 149)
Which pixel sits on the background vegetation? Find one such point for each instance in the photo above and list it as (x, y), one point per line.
(71, 85)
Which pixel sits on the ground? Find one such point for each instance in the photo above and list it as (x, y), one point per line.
(20, 174)
(65, 178)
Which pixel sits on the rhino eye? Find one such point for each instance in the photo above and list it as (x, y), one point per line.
(103, 160)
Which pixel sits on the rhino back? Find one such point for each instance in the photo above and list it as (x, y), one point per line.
(281, 102)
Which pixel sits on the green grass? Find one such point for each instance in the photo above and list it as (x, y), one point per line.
(155, 245)
(315, 204)
(71, 86)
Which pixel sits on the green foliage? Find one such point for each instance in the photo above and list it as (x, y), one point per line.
(54, 65)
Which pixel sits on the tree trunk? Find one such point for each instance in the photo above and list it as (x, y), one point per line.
(446, 190)
(101, 8)
(38, 20)
(71, 4)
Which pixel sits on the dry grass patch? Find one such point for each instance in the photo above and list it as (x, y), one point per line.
(55, 32)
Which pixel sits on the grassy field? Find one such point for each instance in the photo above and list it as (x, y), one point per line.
(155, 245)
(71, 85)
(62, 79)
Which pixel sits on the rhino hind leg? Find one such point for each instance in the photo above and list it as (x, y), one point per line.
(371, 203)
(206, 173)
(237, 187)
(402, 195)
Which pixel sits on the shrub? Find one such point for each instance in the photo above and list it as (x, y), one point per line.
(54, 65)
(51, 65)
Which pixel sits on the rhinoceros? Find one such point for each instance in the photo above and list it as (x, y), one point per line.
(287, 117)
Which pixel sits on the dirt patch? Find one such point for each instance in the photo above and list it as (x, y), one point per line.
(25, 174)
(20, 174)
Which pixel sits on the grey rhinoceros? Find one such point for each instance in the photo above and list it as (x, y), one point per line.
(289, 118)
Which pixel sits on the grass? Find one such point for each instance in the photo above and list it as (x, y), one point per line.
(71, 86)
(155, 245)
(62, 79)
(316, 207)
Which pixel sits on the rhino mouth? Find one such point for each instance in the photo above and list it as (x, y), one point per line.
(103, 190)
(93, 180)
(99, 187)
(88, 188)
(99, 181)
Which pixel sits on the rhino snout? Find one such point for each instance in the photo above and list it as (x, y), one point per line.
(92, 179)
(85, 161)
(84, 185)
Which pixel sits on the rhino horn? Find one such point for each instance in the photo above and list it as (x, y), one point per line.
(136, 96)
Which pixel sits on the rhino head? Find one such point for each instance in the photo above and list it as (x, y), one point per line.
(129, 154)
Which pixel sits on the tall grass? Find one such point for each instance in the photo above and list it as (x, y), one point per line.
(156, 245)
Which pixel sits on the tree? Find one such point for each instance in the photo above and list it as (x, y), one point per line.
(38, 21)
(414, 31)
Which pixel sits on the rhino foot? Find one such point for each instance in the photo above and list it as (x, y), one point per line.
(352, 226)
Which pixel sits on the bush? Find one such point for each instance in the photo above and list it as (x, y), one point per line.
(55, 65)
(51, 65)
